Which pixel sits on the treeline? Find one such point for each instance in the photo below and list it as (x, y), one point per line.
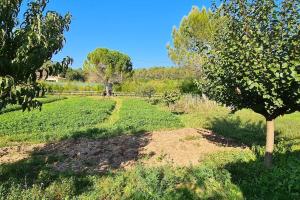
(161, 79)
(163, 73)
(153, 73)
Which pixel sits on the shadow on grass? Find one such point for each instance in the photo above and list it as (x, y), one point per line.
(104, 132)
(219, 140)
(94, 151)
(86, 152)
(257, 182)
(246, 132)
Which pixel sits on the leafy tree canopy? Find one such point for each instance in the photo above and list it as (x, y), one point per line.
(74, 75)
(162, 73)
(109, 66)
(26, 48)
(194, 34)
(255, 60)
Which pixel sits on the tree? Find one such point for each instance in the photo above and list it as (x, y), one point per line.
(195, 33)
(108, 66)
(26, 49)
(255, 62)
(74, 75)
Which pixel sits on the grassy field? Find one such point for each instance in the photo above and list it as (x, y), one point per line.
(44, 100)
(79, 116)
(57, 120)
(138, 116)
(225, 175)
(244, 126)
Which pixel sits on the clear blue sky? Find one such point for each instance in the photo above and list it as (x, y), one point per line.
(139, 28)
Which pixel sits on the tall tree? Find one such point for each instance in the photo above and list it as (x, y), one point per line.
(108, 66)
(194, 34)
(255, 62)
(25, 49)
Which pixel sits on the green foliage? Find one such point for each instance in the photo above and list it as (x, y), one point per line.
(83, 116)
(154, 101)
(107, 65)
(73, 86)
(56, 120)
(281, 182)
(244, 126)
(160, 86)
(194, 34)
(254, 61)
(74, 75)
(147, 91)
(137, 115)
(189, 86)
(171, 97)
(162, 73)
(225, 175)
(25, 50)
(44, 100)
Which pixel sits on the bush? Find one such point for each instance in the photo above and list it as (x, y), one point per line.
(189, 86)
(171, 97)
(147, 91)
(74, 75)
(154, 101)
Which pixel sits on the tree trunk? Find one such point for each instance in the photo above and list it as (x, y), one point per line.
(269, 143)
(108, 90)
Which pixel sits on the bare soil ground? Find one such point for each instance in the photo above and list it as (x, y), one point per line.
(181, 147)
(15, 153)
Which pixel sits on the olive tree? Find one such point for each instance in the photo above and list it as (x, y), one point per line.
(26, 48)
(108, 66)
(255, 62)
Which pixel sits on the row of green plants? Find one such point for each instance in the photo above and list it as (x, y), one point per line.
(134, 116)
(137, 115)
(44, 100)
(55, 121)
(77, 116)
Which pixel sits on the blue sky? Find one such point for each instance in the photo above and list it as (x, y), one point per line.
(139, 28)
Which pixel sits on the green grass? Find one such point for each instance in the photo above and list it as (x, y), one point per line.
(56, 120)
(133, 116)
(225, 175)
(244, 126)
(44, 100)
(84, 117)
(138, 115)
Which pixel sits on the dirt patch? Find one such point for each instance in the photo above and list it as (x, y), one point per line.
(185, 147)
(91, 155)
(16, 153)
(179, 147)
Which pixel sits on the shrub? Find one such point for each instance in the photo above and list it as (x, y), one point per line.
(171, 97)
(189, 86)
(147, 91)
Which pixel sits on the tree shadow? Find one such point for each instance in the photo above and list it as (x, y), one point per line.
(257, 182)
(85, 153)
(219, 139)
(246, 132)
(90, 155)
